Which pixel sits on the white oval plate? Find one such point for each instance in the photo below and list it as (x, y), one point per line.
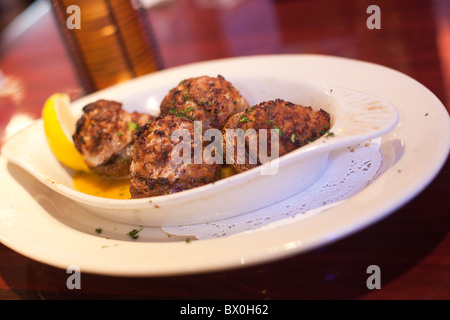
(355, 117)
(45, 226)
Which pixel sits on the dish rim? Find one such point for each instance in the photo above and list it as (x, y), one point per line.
(241, 250)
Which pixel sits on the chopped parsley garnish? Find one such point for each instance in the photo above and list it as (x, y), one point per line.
(119, 133)
(248, 110)
(330, 134)
(98, 230)
(134, 233)
(324, 130)
(185, 95)
(270, 121)
(293, 138)
(244, 119)
(186, 113)
(277, 128)
(132, 125)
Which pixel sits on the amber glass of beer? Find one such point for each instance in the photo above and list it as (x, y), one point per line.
(109, 41)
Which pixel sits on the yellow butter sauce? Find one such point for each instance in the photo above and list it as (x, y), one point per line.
(226, 172)
(93, 184)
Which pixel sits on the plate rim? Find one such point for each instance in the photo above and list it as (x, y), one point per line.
(268, 251)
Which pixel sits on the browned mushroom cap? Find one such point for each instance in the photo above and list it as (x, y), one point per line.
(105, 135)
(159, 165)
(294, 125)
(211, 100)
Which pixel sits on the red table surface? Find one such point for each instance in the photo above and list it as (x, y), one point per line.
(411, 246)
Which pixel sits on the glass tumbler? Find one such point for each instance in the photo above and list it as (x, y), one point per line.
(109, 41)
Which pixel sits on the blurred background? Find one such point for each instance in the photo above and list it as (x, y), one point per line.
(413, 34)
(9, 9)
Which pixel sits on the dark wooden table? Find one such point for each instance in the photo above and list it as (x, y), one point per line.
(412, 245)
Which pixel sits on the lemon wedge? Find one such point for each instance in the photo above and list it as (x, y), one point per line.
(59, 124)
